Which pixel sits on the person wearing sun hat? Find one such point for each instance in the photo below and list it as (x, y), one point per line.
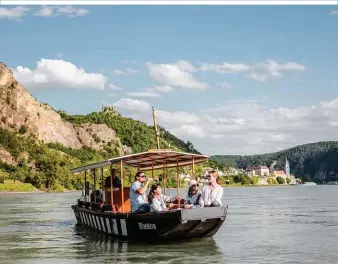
(193, 196)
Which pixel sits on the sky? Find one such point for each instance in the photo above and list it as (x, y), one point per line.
(230, 79)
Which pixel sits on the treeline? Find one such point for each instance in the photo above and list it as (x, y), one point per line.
(310, 162)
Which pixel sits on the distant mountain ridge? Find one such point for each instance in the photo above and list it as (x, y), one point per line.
(313, 161)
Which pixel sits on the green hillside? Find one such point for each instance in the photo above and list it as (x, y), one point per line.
(135, 134)
(315, 161)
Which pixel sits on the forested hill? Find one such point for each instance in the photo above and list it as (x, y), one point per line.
(315, 161)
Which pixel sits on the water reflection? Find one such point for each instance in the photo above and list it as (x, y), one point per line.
(108, 249)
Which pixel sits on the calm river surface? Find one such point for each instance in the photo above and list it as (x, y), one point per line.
(264, 225)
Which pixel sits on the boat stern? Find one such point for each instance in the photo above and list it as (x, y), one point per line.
(204, 214)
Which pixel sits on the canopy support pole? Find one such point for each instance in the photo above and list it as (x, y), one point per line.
(85, 187)
(102, 187)
(156, 131)
(193, 168)
(94, 171)
(122, 189)
(178, 184)
(164, 179)
(82, 188)
(111, 187)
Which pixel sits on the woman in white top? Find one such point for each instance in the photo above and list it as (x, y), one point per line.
(193, 196)
(157, 200)
(212, 193)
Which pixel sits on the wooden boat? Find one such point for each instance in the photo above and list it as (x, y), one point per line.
(112, 214)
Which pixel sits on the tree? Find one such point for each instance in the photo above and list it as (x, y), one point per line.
(280, 180)
(254, 180)
(271, 181)
(245, 180)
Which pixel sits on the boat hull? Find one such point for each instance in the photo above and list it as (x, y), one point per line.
(155, 226)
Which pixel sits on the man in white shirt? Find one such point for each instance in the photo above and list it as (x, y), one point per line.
(138, 199)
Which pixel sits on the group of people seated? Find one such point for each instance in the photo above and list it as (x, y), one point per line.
(210, 196)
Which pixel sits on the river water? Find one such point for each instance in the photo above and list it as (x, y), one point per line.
(264, 225)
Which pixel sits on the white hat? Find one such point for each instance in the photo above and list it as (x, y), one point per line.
(192, 182)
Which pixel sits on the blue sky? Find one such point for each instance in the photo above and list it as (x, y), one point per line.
(216, 74)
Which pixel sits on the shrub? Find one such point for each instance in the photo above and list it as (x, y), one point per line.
(23, 129)
(280, 180)
(254, 180)
(288, 180)
(271, 181)
(96, 138)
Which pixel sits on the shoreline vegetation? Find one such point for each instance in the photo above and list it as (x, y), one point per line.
(23, 188)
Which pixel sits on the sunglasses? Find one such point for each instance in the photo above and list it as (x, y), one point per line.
(142, 176)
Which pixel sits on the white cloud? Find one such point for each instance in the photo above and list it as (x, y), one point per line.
(59, 73)
(127, 71)
(45, 11)
(260, 71)
(184, 65)
(144, 94)
(334, 12)
(132, 105)
(15, 13)
(257, 77)
(175, 118)
(195, 131)
(71, 11)
(115, 87)
(247, 127)
(152, 92)
(175, 75)
(119, 72)
(163, 89)
(132, 71)
(225, 67)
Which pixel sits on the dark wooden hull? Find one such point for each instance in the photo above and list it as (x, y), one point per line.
(172, 225)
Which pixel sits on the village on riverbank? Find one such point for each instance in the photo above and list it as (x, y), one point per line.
(259, 175)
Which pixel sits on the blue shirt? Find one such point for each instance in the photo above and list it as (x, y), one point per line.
(136, 199)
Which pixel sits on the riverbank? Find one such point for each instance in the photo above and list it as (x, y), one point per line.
(13, 188)
(254, 185)
(19, 187)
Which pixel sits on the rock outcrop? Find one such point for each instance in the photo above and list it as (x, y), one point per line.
(6, 157)
(20, 110)
(96, 136)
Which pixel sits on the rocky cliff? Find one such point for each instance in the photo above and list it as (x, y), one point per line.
(20, 111)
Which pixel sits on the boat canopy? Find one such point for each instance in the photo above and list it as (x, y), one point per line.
(151, 159)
